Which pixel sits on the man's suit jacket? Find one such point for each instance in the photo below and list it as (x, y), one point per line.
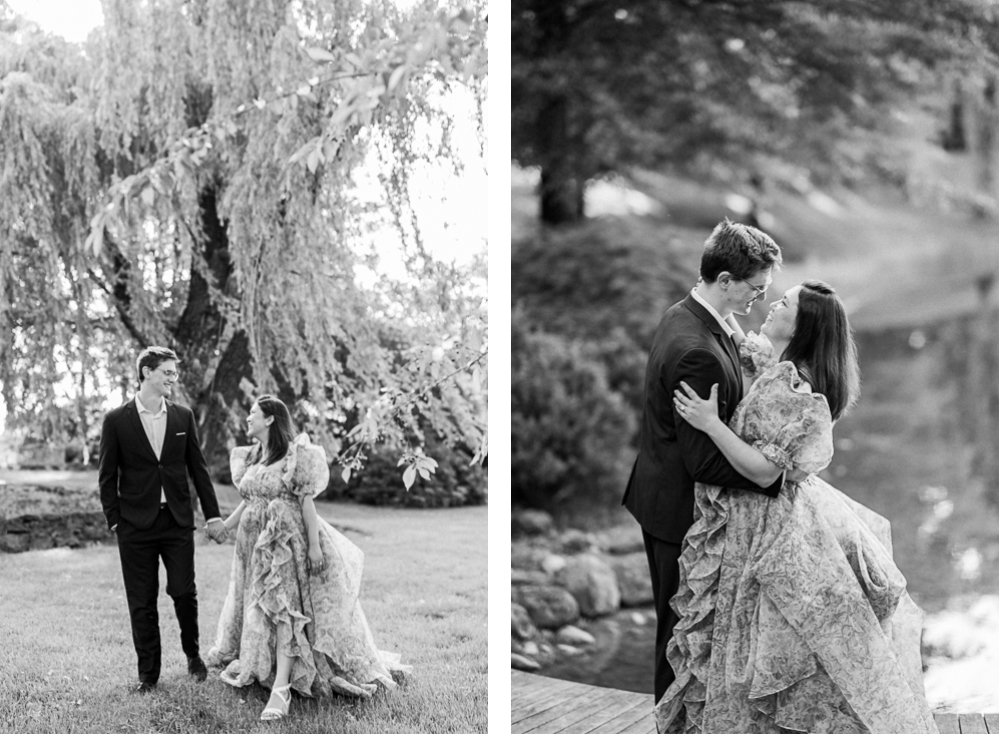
(689, 345)
(130, 475)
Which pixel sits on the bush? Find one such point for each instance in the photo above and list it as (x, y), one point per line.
(455, 483)
(606, 282)
(570, 432)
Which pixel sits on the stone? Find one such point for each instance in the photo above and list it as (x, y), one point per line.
(520, 576)
(572, 635)
(526, 557)
(569, 650)
(531, 648)
(550, 607)
(575, 541)
(522, 662)
(553, 564)
(36, 517)
(521, 626)
(632, 572)
(621, 539)
(530, 522)
(592, 583)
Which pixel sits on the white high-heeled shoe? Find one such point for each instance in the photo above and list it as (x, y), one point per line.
(273, 713)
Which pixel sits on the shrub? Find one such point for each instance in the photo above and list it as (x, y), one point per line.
(453, 484)
(570, 432)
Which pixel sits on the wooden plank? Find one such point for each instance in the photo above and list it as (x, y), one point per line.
(947, 723)
(992, 723)
(585, 726)
(643, 726)
(639, 711)
(972, 724)
(522, 681)
(540, 688)
(547, 699)
(557, 718)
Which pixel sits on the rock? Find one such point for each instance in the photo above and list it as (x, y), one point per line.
(521, 626)
(553, 564)
(546, 654)
(576, 541)
(531, 648)
(569, 650)
(520, 576)
(571, 635)
(520, 662)
(35, 517)
(530, 522)
(638, 619)
(621, 539)
(549, 606)
(592, 583)
(632, 572)
(526, 557)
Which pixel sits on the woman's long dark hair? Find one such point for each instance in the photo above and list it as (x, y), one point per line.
(280, 432)
(822, 347)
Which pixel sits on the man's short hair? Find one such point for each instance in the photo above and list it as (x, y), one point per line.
(739, 249)
(153, 357)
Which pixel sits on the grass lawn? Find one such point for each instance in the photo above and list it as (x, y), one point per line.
(66, 656)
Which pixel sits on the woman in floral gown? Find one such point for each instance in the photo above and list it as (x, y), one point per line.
(292, 618)
(793, 616)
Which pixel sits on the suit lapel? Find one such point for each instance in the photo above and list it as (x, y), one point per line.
(725, 341)
(137, 428)
(173, 427)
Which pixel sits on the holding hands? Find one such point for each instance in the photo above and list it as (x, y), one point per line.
(217, 531)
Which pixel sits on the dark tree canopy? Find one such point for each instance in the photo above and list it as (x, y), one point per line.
(188, 177)
(724, 88)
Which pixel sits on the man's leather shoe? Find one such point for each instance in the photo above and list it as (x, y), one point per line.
(196, 667)
(143, 687)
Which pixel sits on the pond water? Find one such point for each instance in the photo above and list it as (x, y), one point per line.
(920, 449)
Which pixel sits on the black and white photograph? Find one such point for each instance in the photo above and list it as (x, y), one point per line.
(754, 375)
(244, 354)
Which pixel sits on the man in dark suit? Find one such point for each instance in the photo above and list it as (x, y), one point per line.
(693, 343)
(149, 446)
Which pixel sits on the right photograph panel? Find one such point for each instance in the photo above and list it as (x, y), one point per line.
(754, 374)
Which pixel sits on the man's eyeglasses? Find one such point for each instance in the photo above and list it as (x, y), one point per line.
(758, 289)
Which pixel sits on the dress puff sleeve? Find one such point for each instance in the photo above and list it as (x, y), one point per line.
(238, 463)
(794, 428)
(756, 355)
(306, 472)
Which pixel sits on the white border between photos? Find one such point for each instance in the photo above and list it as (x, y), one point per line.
(498, 162)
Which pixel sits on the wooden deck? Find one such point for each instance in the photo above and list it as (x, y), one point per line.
(540, 705)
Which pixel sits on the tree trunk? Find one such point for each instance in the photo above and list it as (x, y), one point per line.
(216, 354)
(561, 186)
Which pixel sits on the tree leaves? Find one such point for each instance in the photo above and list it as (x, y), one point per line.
(224, 187)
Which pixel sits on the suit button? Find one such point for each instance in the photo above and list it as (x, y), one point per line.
(159, 466)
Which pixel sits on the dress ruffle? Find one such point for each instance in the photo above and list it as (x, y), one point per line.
(816, 657)
(792, 614)
(273, 600)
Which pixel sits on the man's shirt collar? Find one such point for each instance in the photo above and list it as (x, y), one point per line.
(715, 314)
(143, 409)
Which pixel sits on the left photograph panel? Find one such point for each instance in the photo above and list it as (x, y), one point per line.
(244, 366)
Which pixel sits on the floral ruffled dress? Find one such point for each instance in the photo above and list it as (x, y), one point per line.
(793, 615)
(273, 600)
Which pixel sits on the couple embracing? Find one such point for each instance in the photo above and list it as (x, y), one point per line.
(291, 619)
(779, 607)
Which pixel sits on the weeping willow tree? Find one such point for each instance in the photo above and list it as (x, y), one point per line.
(190, 177)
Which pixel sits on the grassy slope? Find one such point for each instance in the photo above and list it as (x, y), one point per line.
(66, 656)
